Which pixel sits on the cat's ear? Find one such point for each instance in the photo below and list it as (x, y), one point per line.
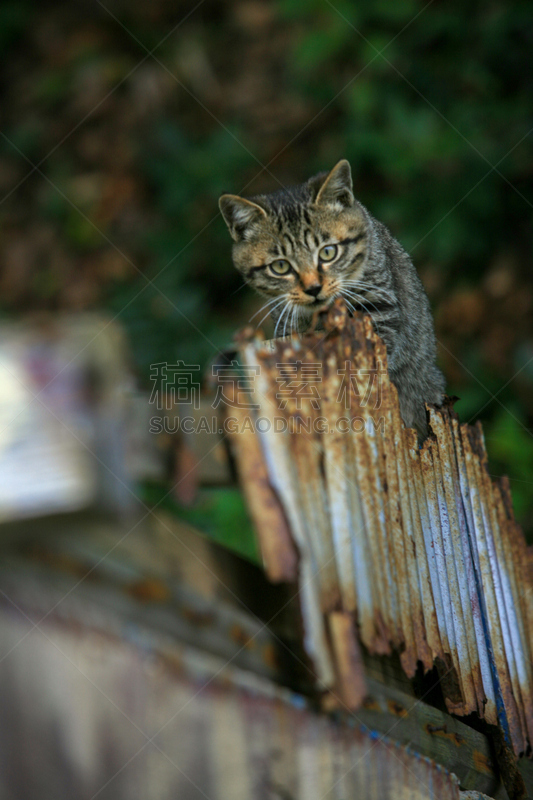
(240, 215)
(336, 188)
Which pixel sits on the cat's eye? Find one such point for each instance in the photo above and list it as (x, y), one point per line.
(328, 253)
(281, 266)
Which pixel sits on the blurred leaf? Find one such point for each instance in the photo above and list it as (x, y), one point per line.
(510, 444)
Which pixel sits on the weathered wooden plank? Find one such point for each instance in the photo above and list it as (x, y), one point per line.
(434, 734)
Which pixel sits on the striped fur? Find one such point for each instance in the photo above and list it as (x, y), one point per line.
(371, 271)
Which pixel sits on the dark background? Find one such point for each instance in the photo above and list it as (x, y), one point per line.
(112, 161)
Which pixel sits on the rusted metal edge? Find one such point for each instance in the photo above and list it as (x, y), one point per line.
(418, 546)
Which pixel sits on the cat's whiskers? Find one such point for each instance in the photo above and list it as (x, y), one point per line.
(292, 319)
(289, 320)
(373, 297)
(350, 306)
(271, 310)
(279, 320)
(285, 308)
(285, 323)
(269, 302)
(377, 290)
(339, 293)
(358, 299)
(297, 318)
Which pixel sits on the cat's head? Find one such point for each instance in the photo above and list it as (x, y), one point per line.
(303, 245)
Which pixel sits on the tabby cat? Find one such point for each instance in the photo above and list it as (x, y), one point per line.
(304, 246)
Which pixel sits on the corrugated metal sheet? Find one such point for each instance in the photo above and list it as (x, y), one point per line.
(417, 548)
(89, 715)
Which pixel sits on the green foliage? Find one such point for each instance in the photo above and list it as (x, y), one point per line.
(170, 319)
(505, 444)
(430, 102)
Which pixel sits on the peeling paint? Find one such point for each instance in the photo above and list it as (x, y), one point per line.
(416, 545)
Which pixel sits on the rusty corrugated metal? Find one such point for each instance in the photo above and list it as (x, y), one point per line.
(417, 545)
(277, 549)
(88, 714)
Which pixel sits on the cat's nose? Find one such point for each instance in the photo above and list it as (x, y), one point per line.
(314, 291)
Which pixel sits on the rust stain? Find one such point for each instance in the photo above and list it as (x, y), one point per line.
(370, 704)
(397, 709)
(149, 590)
(399, 547)
(239, 635)
(201, 619)
(60, 561)
(482, 762)
(442, 731)
(268, 654)
(348, 658)
(279, 554)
